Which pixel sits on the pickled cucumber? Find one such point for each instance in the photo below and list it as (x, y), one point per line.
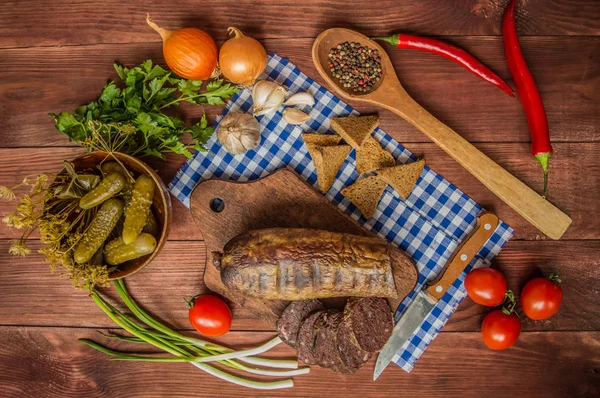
(108, 187)
(151, 226)
(98, 230)
(117, 252)
(139, 207)
(112, 167)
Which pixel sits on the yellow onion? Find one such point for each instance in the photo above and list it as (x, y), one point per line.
(190, 53)
(242, 59)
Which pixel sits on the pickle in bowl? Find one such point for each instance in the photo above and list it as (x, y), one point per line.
(117, 252)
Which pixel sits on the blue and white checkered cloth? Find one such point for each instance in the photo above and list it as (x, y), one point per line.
(429, 225)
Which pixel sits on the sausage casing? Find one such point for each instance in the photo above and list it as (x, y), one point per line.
(299, 264)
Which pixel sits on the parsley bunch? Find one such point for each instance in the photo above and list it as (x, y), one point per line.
(131, 119)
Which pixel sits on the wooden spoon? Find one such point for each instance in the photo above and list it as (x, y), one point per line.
(390, 94)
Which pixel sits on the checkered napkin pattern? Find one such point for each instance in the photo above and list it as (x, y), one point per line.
(428, 225)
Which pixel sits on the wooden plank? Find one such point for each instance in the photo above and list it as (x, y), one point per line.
(571, 190)
(50, 362)
(176, 274)
(112, 21)
(37, 81)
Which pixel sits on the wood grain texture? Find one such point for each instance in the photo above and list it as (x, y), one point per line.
(112, 21)
(176, 273)
(572, 190)
(567, 69)
(56, 55)
(389, 94)
(50, 362)
(281, 200)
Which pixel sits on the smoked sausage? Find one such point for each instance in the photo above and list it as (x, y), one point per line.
(300, 264)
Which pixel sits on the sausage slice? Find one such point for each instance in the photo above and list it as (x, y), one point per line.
(306, 339)
(288, 325)
(348, 349)
(372, 322)
(325, 350)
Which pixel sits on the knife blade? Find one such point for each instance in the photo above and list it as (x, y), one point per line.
(426, 299)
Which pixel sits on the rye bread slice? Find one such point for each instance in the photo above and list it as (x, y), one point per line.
(306, 339)
(321, 139)
(365, 194)
(328, 160)
(348, 349)
(403, 177)
(372, 322)
(371, 156)
(355, 130)
(325, 350)
(290, 321)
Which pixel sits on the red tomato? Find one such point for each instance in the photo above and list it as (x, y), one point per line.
(499, 330)
(541, 297)
(210, 315)
(486, 286)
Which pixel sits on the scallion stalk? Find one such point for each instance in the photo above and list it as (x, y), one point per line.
(188, 349)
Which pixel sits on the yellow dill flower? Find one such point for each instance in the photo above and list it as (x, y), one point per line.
(18, 248)
(39, 184)
(14, 220)
(7, 193)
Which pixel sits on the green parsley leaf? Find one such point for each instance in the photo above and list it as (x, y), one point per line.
(109, 93)
(215, 84)
(130, 119)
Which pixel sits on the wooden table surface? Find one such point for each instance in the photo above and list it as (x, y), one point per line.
(57, 54)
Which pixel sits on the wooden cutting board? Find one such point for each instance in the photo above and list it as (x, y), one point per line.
(224, 209)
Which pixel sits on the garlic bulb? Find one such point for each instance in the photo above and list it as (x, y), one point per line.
(267, 97)
(302, 99)
(238, 132)
(295, 116)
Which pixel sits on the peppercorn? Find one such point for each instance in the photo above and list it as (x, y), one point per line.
(357, 67)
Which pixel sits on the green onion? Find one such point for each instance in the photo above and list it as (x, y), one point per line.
(189, 349)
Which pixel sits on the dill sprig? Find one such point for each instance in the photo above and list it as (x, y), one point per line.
(50, 205)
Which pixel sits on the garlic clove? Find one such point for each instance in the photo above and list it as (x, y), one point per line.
(261, 91)
(300, 99)
(295, 116)
(267, 97)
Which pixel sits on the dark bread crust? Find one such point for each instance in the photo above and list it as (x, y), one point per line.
(288, 325)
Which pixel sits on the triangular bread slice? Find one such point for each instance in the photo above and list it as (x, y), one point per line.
(355, 129)
(403, 177)
(321, 139)
(365, 194)
(328, 160)
(371, 156)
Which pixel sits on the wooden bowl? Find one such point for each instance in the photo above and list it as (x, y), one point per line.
(161, 205)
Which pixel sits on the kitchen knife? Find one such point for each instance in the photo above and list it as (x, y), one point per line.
(433, 291)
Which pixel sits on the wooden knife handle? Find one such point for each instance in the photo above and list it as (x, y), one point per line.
(485, 227)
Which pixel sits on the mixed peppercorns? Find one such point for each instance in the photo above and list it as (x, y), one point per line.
(356, 67)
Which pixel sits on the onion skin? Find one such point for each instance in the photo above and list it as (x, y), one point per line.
(190, 53)
(242, 59)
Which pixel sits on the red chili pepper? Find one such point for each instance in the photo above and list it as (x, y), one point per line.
(450, 52)
(541, 148)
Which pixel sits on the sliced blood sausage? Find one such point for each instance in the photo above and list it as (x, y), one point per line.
(372, 322)
(348, 349)
(306, 339)
(326, 352)
(292, 317)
